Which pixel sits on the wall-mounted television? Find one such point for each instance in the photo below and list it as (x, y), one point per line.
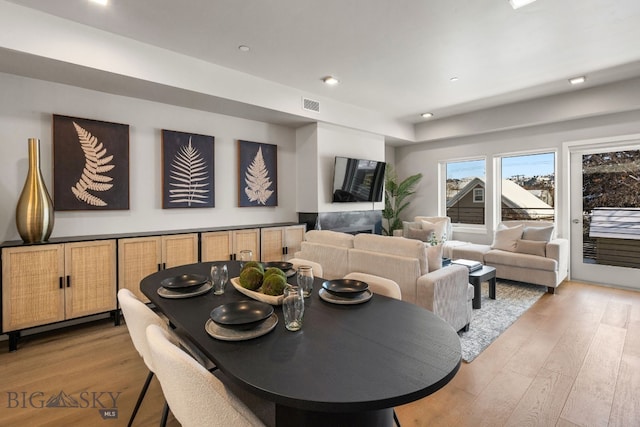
(357, 180)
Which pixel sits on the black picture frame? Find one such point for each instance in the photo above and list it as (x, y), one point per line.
(188, 172)
(90, 164)
(257, 174)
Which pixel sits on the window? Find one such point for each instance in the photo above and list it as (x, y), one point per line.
(465, 184)
(478, 195)
(528, 187)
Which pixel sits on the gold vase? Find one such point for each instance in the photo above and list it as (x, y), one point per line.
(34, 212)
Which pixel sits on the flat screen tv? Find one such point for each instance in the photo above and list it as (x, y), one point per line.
(357, 180)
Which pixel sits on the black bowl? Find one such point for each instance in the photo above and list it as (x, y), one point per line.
(183, 281)
(241, 314)
(282, 265)
(345, 287)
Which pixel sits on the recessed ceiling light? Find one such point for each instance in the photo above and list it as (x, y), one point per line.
(577, 80)
(426, 115)
(517, 4)
(244, 48)
(330, 80)
(101, 2)
(454, 79)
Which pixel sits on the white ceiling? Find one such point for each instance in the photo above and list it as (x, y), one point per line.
(392, 56)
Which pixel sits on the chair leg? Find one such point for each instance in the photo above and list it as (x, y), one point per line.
(140, 397)
(395, 418)
(165, 414)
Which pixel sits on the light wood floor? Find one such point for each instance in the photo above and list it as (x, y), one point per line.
(572, 360)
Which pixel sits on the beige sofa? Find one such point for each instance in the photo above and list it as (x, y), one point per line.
(530, 253)
(445, 291)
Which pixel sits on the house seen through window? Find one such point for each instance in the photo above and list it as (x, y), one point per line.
(465, 191)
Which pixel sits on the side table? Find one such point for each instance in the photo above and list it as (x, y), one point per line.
(485, 274)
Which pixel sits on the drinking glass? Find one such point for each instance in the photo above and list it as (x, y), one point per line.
(293, 307)
(218, 278)
(305, 279)
(246, 255)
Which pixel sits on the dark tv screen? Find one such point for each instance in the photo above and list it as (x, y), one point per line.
(357, 180)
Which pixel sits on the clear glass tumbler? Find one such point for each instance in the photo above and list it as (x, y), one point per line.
(218, 278)
(305, 279)
(245, 255)
(293, 307)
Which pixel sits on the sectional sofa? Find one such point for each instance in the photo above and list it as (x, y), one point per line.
(422, 281)
(523, 251)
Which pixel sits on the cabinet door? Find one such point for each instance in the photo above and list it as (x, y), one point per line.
(90, 283)
(272, 244)
(137, 258)
(180, 249)
(247, 239)
(294, 235)
(216, 246)
(32, 292)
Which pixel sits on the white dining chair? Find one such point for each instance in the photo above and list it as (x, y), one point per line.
(138, 316)
(317, 268)
(196, 396)
(378, 285)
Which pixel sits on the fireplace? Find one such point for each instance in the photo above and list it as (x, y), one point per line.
(352, 222)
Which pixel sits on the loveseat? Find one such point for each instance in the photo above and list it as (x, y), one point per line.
(523, 251)
(444, 291)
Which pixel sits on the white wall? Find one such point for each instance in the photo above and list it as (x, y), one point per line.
(426, 156)
(26, 108)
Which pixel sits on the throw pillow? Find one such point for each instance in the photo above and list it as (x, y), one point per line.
(531, 247)
(406, 225)
(439, 228)
(424, 235)
(434, 257)
(505, 238)
(540, 234)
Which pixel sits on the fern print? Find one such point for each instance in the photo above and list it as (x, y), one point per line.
(96, 164)
(189, 177)
(257, 180)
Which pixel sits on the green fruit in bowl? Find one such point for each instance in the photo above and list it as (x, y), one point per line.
(273, 285)
(255, 264)
(274, 270)
(251, 278)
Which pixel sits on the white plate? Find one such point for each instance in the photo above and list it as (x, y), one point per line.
(200, 290)
(269, 299)
(230, 334)
(335, 299)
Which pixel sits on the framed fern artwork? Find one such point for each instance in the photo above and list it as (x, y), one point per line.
(257, 174)
(90, 164)
(187, 170)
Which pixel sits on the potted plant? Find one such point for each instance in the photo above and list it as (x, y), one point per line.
(395, 195)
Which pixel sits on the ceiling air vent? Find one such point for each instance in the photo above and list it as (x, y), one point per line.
(310, 105)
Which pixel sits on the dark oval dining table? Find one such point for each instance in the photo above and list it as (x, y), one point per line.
(349, 365)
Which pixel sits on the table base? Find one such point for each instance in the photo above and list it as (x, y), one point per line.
(287, 416)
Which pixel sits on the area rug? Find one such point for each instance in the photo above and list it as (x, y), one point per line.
(495, 316)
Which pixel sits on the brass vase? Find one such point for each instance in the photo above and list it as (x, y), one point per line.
(34, 212)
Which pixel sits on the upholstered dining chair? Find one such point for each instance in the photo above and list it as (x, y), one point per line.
(378, 285)
(317, 268)
(138, 316)
(196, 396)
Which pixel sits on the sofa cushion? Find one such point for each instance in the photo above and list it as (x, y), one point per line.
(531, 247)
(472, 251)
(439, 228)
(328, 237)
(406, 225)
(541, 234)
(419, 234)
(398, 246)
(505, 238)
(532, 262)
